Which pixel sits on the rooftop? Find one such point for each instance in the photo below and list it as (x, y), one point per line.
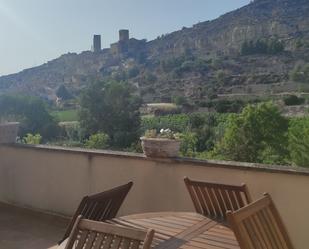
(50, 182)
(23, 229)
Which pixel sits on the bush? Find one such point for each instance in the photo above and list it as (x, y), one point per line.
(97, 141)
(188, 144)
(293, 100)
(32, 114)
(258, 134)
(179, 100)
(32, 139)
(177, 123)
(199, 130)
(299, 141)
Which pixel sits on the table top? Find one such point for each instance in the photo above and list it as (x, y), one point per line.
(182, 230)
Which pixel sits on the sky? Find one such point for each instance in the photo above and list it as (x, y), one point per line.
(36, 31)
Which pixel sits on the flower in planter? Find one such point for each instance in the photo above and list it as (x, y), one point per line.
(164, 143)
(164, 133)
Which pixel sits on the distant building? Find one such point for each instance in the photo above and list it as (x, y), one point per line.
(126, 45)
(124, 35)
(96, 44)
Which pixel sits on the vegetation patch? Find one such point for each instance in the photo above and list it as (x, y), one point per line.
(65, 115)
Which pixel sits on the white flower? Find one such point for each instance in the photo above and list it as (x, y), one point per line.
(162, 130)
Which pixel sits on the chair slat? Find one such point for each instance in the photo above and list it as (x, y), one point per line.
(126, 243)
(100, 207)
(209, 208)
(259, 226)
(82, 239)
(91, 238)
(239, 198)
(214, 199)
(99, 241)
(108, 241)
(233, 200)
(201, 202)
(214, 203)
(135, 244)
(194, 198)
(100, 235)
(244, 232)
(226, 199)
(264, 220)
(262, 231)
(116, 242)
(277, 231)
(221, 205)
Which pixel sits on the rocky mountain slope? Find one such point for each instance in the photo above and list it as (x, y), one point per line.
(197, 62)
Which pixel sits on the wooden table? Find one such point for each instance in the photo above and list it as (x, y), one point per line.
(182, 230)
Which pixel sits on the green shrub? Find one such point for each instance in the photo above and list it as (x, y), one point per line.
(299, 141)
(188, 144)
(179, 100)
(293, 100)
(32, 139)
(177, 123)
(97, 141)
(258, 134)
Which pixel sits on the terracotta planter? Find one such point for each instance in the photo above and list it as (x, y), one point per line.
(8, 132)
(160, 147)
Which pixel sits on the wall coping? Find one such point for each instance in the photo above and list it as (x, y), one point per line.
(179, 160)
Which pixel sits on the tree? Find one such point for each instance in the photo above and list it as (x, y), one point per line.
(262, 46)
(258, 134)
(299, 141)
(32, 114)
(112, 108)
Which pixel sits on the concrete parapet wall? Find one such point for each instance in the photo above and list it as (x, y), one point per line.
(55, 180)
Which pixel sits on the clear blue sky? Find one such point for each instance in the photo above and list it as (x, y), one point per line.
(35, 31)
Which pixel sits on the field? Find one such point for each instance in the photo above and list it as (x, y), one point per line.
(66, 115)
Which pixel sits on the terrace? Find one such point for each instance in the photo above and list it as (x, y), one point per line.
(40, 186)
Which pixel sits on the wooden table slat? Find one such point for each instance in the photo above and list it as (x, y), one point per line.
(182, 230)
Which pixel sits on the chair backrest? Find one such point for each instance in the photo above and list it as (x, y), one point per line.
(259, 225)
(100, 207)
(96, 235)
(214, 199)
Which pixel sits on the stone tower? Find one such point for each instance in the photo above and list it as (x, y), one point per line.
(96, 43)
(123, 35)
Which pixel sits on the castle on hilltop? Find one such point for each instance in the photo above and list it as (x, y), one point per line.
(124, 46)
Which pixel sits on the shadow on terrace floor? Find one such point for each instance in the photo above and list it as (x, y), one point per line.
(25, 229)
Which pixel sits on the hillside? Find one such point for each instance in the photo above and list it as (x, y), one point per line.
(198, 62)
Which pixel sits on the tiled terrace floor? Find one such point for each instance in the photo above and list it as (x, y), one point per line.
(25, 229)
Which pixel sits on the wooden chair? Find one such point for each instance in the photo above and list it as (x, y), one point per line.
(96, 235)
(100, 207)
(259, 225)
(214, 200)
